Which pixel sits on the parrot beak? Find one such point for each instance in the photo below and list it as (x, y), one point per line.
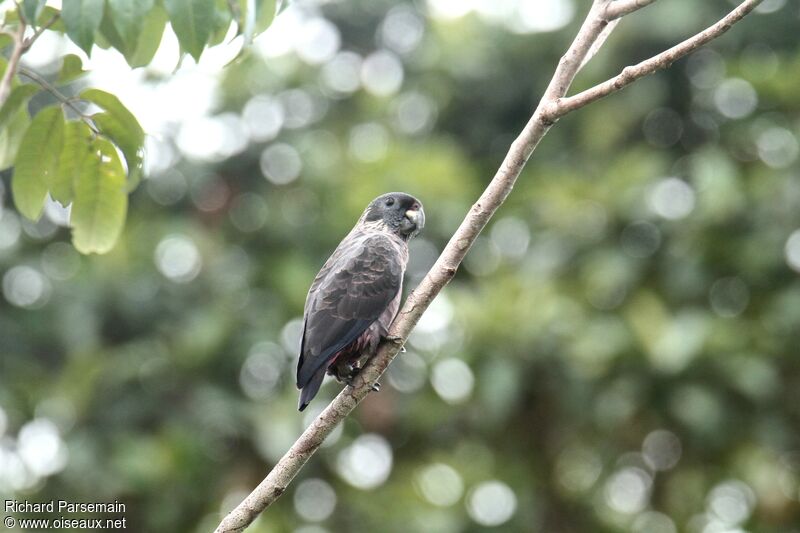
(417, 217)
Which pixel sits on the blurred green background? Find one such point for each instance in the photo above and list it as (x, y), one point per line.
(619, 352)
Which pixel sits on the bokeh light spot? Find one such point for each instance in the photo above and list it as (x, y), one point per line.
(262, 370)
(26, 287)
(314, 500)
(407, 373)
(41, 448)
(178, 258)
(492, 503)
(401, 30)
(777, 147)
(577, 469)
(281, 164)
(628, 490)
(653, 522)
(264, 117)
(729, 296)
(661, 449)
(672, 198)
(440, 484)
(731, 502)
(452, 380)
(640, 239)
(792, 250)
(367, 462)
(382, 73)
(735, 98)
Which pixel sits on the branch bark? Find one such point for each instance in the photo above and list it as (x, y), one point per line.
(552, 106)
(649, 66)
(13, 62)
(620, 8)
(21, 45)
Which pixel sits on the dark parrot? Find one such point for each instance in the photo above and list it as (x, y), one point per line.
(356, 295)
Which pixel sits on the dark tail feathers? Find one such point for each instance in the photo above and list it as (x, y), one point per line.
(308, 392)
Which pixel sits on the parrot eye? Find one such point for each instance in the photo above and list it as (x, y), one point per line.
(390, 202)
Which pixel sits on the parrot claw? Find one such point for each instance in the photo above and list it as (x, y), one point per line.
(376, 387)
(394, 339)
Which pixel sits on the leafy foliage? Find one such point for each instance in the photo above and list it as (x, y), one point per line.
(134, 28)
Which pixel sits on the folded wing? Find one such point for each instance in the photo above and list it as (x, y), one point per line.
(351, 291)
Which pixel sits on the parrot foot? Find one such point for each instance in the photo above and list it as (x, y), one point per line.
(394, 339)
(346, 373)
(350, 381)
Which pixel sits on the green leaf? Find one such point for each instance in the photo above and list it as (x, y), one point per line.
(221, 22)
(100, 202)
(152, 30)
(82, 19)
(11, 137)
(30, 9)
(18, 98)
(128, 18)
(192, 21)
(77, 145)
(257, 15)
(266, 11)
(47, 15)
(109, 33)
(37, 161)
(10, 17)
(119, 125)
(71, 69)
(130, 142)
(242, 17)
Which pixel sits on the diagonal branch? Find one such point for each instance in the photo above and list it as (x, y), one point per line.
(448, 262)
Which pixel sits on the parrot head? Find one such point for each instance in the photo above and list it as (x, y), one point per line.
(401, 213)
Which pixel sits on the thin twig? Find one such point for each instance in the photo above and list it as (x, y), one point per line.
(448, 262)
(661, 61)
(58, 95)
(13, 62)
(21, 45)
(620, 8)
(32, 39)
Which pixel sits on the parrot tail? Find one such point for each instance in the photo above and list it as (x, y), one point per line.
(312, 387)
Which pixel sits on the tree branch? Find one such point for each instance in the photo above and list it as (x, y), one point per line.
(654, 64)
(32, 39)
(13, 62)
(613, 13)
(448, 262)
(620, 8)
(21, 45)
(58, 95)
